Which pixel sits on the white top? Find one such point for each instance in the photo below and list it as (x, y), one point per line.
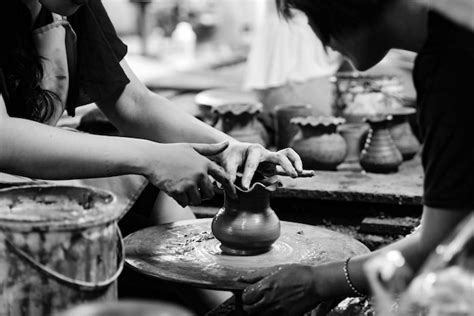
(286, 51)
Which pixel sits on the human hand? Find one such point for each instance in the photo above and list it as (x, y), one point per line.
(182, 171)
(249, 156)
(282, 290)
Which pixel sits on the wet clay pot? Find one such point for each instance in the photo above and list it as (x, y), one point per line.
(240, 121)
(402, 134)
(380, 154)
(247, 225)
(318, 143)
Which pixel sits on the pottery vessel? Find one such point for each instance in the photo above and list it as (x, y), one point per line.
(209, 99)
(402, 134)
(286, 131)
(318, 143)
(239, 120)
(247, 225)
(355, 135)
(357, 95)
(380, 154)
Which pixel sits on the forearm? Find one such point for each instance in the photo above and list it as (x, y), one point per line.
(156, 118)
(141, 113)
(436, 226)
(38, 151)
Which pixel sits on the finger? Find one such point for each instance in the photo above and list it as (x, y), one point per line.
(223, 178)
(181, 198)
(251, 164)
(284, 162)
(206, 188)
(231, 166)
(252, 277)
(193, 195)
(258, 308)
(210, 149)
(253, 294)
(295, 159)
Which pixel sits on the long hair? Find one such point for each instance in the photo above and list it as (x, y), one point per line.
(21, 64)
(332, 18)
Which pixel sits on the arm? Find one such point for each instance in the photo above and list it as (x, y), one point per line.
(38, 151)
(313, 284)
(140, 113)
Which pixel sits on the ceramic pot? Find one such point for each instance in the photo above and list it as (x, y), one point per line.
(286, 131)
(380, 154)
(247, 225)
(355, 136)
(357, 96)
(318, 143)
(209, 99)
(402, 134)
(240, 121)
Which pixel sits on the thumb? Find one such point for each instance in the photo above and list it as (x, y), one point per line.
(210, 149)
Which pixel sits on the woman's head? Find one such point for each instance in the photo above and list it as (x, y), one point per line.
(21, 65)
(352, 27)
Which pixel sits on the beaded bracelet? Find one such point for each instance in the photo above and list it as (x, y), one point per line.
(348, 279)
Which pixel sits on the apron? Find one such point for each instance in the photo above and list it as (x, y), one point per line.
(56, 43)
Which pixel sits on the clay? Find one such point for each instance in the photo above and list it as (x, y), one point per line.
(318, 143)
(380, 154)
(247, 225)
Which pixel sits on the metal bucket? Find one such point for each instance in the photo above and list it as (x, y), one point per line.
(59, 246)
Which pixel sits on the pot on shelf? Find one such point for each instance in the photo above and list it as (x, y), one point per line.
(318, 143)
(285, 129)
(247, 225)
(380, 154)
(355, 135)
(401, 132)
(239, 120)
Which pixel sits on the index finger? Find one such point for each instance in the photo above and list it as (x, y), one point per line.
(251, 164)
(222, 177)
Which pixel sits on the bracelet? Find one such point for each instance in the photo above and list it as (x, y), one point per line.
(348, 279)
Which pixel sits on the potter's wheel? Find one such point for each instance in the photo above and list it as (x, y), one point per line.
(186, 252)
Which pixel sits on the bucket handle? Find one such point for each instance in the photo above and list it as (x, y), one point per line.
(80, 285)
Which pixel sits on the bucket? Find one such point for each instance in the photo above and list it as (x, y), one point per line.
(59, 246)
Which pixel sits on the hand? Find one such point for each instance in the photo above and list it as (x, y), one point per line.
(281, 290)
(182, 171)
(249, 156)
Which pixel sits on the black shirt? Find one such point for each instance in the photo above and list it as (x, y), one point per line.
(444, 81)
(98, 75)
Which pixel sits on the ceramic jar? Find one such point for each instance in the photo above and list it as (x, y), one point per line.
(380, 154)
(285, 129)
(357, 96)
(318, 143)
(209, 99)
(402, 134)
(355, 135)
(239, 120)
(247, 225)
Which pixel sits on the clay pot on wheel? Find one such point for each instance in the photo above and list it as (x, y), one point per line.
(402, 134)
(247, 225)
(318, 143)
(380, 154)
(240, 121)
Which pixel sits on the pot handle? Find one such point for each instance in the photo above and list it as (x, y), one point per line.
(76, 284)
